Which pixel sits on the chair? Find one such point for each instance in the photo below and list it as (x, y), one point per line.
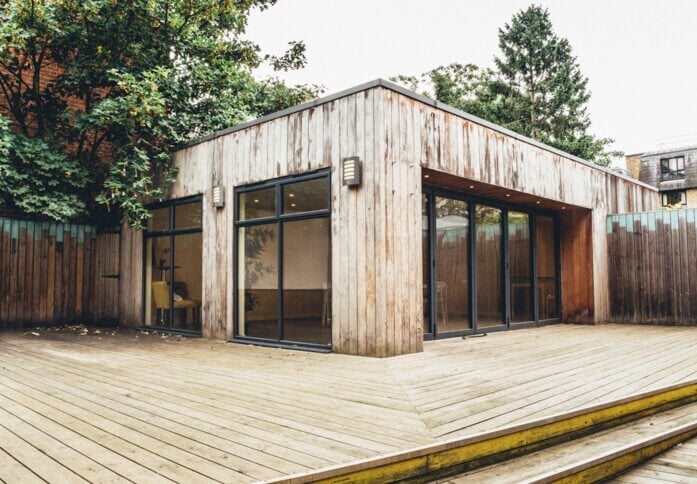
(160, 295)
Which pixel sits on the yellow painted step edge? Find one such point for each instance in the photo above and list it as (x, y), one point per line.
(456, 455)
(616, 462)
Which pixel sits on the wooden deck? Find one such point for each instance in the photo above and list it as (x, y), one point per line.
(136, 407)
(676, 465)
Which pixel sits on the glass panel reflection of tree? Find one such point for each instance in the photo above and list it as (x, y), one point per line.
(258, 281)
(452, 265)
(489, 266)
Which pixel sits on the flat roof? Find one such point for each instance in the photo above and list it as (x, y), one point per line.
(417, 97)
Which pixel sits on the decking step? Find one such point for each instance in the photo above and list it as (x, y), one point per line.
(612, 450)
(624, 431)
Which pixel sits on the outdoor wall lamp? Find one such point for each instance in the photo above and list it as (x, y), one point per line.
(218, 196)
(351, 171)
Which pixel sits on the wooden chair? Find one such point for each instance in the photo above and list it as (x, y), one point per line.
(160, 295)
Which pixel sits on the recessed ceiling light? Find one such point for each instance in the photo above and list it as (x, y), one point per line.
(508, 194)
(538, 202)
(292, 205)
(256, 200)
(563, 208)
(291, 195)
(471, 186)
(427, 175)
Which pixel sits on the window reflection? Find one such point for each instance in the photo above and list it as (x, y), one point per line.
(258, 281)
(546, 267)
(489, 267)
(520, 267)
(452, 266)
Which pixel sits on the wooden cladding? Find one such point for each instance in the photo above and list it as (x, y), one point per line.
(52, 273)
(399, 137)
(652, 261)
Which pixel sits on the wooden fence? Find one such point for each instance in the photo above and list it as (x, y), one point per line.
(653, 267)
(53, 273)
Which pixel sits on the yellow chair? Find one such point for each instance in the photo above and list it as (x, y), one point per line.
(160, 295)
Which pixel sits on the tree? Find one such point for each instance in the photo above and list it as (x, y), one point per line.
(552, 101)
(101, 92)
(537, 88)
(467, 87)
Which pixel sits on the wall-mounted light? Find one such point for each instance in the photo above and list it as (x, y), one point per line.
(218, 196)
(351, 171)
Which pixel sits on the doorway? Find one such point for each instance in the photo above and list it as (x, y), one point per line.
(488, 265)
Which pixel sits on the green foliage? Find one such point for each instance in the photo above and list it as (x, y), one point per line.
(148, 76)
(40, 179)
(537, 88)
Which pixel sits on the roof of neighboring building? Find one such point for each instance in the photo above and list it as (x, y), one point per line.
(665, 151)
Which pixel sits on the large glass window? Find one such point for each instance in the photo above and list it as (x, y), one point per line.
(284, 262)
(489, 248)
(547, 283)
(520, 266)
(173, 251)
(486, 265)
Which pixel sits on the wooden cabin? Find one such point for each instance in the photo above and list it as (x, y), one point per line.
(369, 221)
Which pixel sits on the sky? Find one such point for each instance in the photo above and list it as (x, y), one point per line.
(640, 56)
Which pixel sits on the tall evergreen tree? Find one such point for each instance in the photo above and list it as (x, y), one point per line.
(552, 101)
(537, 88)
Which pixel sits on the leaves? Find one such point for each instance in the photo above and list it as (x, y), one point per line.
(109, 89)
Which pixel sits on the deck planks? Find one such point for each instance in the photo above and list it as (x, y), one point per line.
(678, 464)
(136, 406)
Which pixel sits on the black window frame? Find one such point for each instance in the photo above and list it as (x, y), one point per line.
(431, 191)
(278, 219)
(667, 173)
(171, 233)
(666, 194)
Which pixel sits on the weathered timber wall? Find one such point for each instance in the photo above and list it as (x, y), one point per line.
(53, 273)
(377, 290)
(443, 140)
(652, 261)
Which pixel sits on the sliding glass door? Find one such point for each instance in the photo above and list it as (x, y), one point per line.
(489, 274)
(486, 265)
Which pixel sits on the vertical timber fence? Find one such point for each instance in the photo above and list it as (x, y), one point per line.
(54, 273)
(652, 267)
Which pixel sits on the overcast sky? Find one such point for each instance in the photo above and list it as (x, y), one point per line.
(640, 55)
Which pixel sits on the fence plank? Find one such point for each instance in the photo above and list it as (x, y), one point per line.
(652, 261)
(51, 273)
